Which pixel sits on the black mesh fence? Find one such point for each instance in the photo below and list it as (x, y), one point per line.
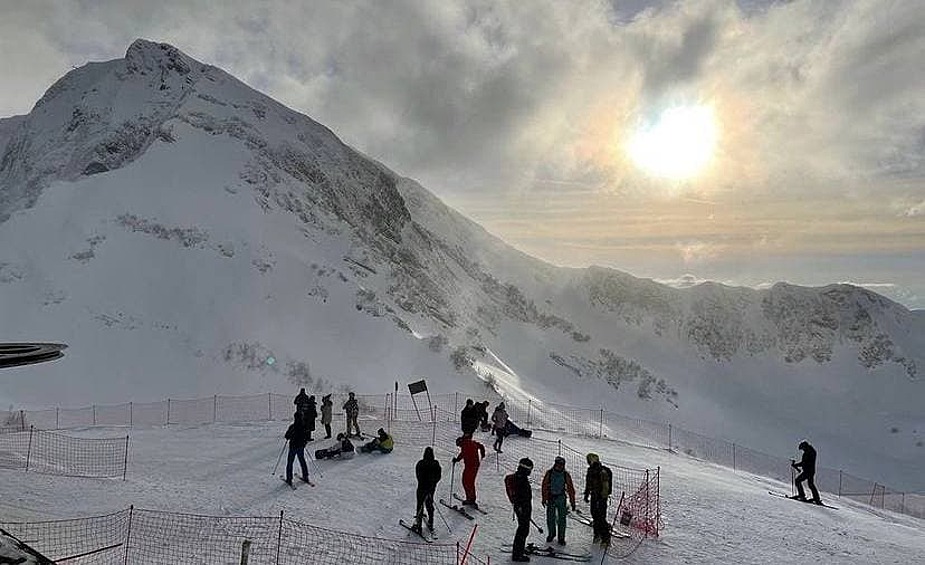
(100, 540)
(56, 454)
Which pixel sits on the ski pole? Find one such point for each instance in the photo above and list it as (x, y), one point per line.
(452, 477)
(538, 528)
(278, 459)
(437, 507)
(792, 477)
(315, 465)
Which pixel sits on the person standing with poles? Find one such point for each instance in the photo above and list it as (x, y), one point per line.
(326, 407)
(352, 411)
(557, 484)
(807, 468)
(598, 486)
(301, 403)
(428, 473)
(517, 485)
(471, 454)
(298, 437)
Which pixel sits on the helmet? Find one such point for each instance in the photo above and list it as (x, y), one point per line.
(559, 461)
(525, 464)
(593, 458)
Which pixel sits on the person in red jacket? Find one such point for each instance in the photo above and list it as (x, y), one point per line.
(471, 454)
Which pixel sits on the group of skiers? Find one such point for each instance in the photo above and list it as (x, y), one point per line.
(300, 431)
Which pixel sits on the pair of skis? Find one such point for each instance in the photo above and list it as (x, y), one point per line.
(292, 485)
(420, 533)
(781, 495)
(583, 519)
(552, 552)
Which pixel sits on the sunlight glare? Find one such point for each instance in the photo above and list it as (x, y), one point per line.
(679, 145)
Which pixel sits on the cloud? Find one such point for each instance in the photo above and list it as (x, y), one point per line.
(914, 211)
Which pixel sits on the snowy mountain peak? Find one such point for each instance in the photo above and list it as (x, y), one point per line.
(145, 56)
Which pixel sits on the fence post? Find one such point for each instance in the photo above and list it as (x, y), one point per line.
(456, 411)
(168, 411)
(669, 437)
(733, 458)
(648, 495)
(131, 414)
(600, 425)
(125, 461)
(56, 416)
(245, 551)
(560, 447)
(279, 537)
(902, 504)
(214, 408)
(128, 534)
(530, 412)
(94, 414)
(270, 406)
(22, 420)
(658, 498)
(29, 450)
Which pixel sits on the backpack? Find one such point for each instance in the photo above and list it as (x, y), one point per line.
(510, 485)
(606, 481)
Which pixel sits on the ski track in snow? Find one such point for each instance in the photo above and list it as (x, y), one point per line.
(709, 513)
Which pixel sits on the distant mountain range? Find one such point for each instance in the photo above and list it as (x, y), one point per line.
(187, 235)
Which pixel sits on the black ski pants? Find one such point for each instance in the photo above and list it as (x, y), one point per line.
(599, 518)
(293, 453)
(523, 529)
(808, 477)
(425, 501)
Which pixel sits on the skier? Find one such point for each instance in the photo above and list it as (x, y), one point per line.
(428, 473)
(499, 420)
(326, 406)
(598, 487)
(297, 436)
(521, 496)
(301, 403)
(382, 443)
(352, 410)
(468, 418)
(557, 483)
(311, 413)
(807, 468)
(471, 454)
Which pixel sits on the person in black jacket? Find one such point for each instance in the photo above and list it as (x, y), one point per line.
(469, 418)
(301, 403)
(311, 413)
(807, 468)
(522, 499)
(428, 473)
(298, 437)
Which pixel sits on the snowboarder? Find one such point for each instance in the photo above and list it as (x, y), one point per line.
(326, 406)
(343, 449)
(298, 437)
(468, 418)
(807, 468)
(499, 420)
(471, 454)
(598, 486)
(557, 484)
(428, 473)
(383, 442)
(301, 403)
(352, 410)
(521, 496)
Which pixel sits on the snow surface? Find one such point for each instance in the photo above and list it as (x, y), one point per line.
(710, 515)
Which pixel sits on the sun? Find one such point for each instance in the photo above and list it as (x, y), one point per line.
(678, 146)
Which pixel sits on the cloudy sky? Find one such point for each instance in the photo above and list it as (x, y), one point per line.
(742, 141)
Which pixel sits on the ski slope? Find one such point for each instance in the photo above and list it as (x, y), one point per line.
(709, 513)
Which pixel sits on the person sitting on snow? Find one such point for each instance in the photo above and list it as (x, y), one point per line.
(383, 443)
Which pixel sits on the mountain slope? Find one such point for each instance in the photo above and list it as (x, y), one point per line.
(189, 236)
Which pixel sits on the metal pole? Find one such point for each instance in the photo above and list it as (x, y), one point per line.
(600, 425)
(559, 442)
(168, 411)
(56, 417)
(245, 551)
(669, 437)
(214, 407)
(839, 483)
(131, 414)
(125, 460)
(269, 406)
(648, 516)
(456, 406)
(128, 533)
(279, 538)
(29, 451)
(22, 420)
(278, 459)
(94, 414)
(530, 412)
(733, 458)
